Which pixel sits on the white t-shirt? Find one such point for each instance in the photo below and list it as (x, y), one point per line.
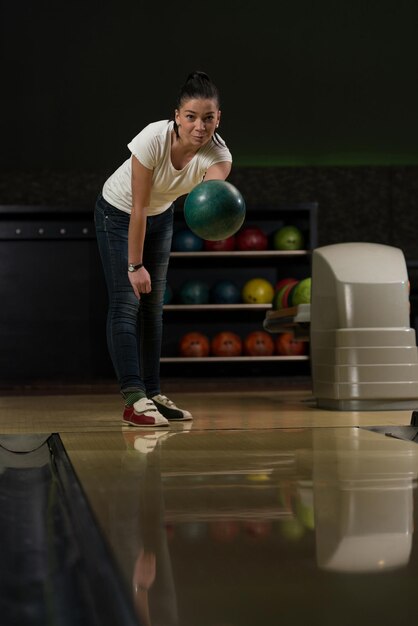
(152, 147)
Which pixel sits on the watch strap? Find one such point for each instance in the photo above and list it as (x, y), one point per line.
(133, 268)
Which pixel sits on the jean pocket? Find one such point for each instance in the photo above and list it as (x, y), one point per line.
(113, 217)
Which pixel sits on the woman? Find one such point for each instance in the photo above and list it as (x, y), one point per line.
(134, 226)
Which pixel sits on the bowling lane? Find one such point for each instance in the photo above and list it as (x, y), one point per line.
(245, 527)
(212, 408)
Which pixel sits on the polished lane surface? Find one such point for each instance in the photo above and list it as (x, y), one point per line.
(250, 513)
(237, 527)
(272, 407)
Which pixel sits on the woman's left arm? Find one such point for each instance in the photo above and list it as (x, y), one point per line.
(218, 171)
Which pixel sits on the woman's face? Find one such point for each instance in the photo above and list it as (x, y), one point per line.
(197, 120)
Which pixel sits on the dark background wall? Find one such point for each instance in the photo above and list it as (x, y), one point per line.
(307, 82)
(319, 100)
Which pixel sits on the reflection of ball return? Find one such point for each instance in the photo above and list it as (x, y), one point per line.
(362, 349)
(363, 490)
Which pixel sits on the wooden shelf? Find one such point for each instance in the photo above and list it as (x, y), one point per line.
(232, 359)
(242, 253)
(217, 307)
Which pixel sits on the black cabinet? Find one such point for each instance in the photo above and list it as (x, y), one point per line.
(54, 300)
(53, 297)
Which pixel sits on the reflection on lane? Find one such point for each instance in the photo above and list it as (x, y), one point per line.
(241, 528)
(257, 515)
(363, 493)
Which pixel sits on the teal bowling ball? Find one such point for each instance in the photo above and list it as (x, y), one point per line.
(225, 292)
(168, 294)
(186, 241)
(194, 292)
(214, 210)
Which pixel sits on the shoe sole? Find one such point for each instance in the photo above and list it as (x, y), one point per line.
(180, 419)
(142, 425)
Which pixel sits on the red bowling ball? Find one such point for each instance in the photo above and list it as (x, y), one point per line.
(251, 238)
(223, 245)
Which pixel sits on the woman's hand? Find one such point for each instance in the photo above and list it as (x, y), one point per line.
(140, 281)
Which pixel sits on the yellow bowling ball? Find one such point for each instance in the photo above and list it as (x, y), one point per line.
(258, 291)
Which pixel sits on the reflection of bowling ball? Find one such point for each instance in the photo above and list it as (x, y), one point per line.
(258, 529)
(223, 245)
(251, 238)
(226, 343)
(281, 296)
(225, 292)
(258, 291)
(258, 478)
(301, 292)
(258, 343)
(186, 241)
(287, 345)
(194, 292)
(194, 344)
(224, 531)
(193, 532)
(291, 529)
(288, 238)
(168, 294)
(305, 514)
(214, 210)
(170, 531)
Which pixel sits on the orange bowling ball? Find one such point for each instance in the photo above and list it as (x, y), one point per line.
(194, 344)
(258, 343)
(226, 343)
(287, 345)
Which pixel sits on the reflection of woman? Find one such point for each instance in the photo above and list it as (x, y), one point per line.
(143, 578)
(138, 532)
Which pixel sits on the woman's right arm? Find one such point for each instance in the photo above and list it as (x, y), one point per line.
(141, 192)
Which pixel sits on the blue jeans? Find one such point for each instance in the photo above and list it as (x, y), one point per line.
(134, 327)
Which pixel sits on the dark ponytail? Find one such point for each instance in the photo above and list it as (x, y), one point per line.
(198, 85)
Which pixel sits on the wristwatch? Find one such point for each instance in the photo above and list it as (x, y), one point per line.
(134, 268)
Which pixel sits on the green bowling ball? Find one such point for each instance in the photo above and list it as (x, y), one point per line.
(301, 292)
(288, 238)
(214, 210)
